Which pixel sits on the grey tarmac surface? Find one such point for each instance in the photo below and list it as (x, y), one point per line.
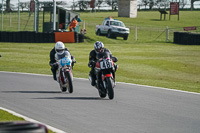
(134, 109)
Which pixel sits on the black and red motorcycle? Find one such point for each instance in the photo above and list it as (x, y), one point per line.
(105, 74)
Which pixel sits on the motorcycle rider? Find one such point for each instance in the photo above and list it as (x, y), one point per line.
(59, 48)
(98, 48)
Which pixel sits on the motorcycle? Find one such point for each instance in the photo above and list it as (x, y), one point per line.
(105, 75)
(64, 72)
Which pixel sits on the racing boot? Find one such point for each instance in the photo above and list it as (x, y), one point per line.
(92, 79)
(54, 77)
(93, 83)
(54, 74)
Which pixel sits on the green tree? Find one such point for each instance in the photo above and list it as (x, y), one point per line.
(98, 3)
(113, 4)
(83, 5)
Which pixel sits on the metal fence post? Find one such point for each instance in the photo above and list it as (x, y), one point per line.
(36, 16)
(54, 15)
(2, 16)
(167, 34)
(10, 22)
(18, 16)
(136, 33)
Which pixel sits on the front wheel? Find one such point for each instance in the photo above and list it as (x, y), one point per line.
(109, 88)
(98, 32)
(63, 88)
(126, 37)
(101, 90)
(69, 81)
(109, 34)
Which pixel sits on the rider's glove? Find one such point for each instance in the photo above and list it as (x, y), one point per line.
(114, 59)
(73, 59)
(91, 64)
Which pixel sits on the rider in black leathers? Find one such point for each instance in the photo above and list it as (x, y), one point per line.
(98, 48)
(59, 49)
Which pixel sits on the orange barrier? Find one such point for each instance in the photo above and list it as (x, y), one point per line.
(65, 37)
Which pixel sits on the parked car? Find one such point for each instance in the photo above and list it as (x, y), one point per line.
(112, 28)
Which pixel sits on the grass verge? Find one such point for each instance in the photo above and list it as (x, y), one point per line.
(7, 117)
(155, 64)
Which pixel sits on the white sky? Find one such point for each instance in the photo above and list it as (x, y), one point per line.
(16, 1)
(68, 1)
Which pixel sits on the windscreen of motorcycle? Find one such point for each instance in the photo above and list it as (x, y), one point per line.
(64, 59)
(65, 54)
(103, 55)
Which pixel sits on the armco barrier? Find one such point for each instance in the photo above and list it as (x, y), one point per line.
(33, 37)
(186, 38)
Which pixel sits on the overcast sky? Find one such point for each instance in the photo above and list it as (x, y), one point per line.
(68, 1)
(16, 1)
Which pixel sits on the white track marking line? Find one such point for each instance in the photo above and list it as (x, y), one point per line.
(117, 82)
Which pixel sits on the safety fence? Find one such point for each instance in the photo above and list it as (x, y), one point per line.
(157, 34)
(186, 38)
(15, 21)
(38, 37)
(24, 24)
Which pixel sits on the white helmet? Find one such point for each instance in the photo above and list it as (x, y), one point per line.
(98, 46)
(59, 48)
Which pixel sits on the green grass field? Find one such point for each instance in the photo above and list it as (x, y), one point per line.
(148, 61)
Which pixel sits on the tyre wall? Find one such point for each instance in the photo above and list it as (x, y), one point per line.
(33, 37)
(186, 38)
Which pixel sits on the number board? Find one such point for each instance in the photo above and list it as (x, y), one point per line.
(105, 64)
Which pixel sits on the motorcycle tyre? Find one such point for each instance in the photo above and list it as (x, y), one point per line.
(101, 94)
(99, 88)
(22, 127)
(109, 88)
(69, 82)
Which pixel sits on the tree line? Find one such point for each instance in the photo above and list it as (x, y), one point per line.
(82, 5)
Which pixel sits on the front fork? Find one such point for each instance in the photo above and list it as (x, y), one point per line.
(104, 79)
(61, 75)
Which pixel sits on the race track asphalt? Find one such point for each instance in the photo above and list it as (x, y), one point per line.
(134, 109)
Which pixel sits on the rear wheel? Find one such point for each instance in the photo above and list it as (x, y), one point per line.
(69, 81)
(109, 87)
